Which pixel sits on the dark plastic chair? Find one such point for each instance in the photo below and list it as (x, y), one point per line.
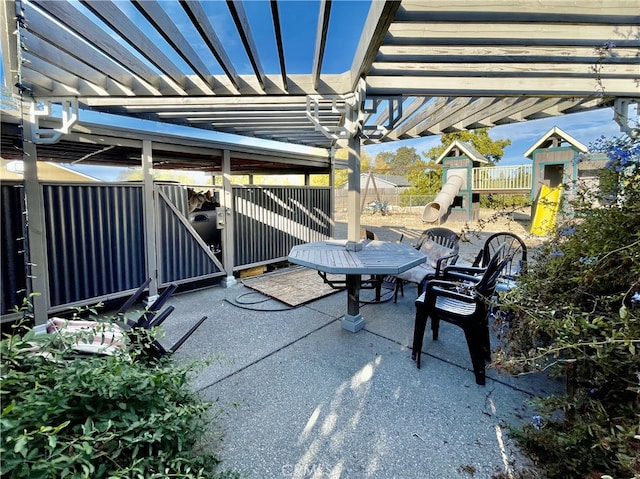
(462, 304)
(151, 317)
(514, 248)
(145, 320)
(424, 272)
(133, 298)
(367, 234)
(155, 349)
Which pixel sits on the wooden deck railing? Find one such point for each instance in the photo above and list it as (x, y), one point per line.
(502, 178)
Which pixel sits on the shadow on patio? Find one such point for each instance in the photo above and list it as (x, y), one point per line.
(314, 400)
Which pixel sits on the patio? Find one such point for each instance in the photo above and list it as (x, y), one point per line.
(304, 398)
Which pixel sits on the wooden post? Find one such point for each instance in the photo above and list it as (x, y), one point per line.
(226, 201)
(149, 205)
(37, 271)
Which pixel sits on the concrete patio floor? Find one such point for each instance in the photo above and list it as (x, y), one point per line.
(302, 398)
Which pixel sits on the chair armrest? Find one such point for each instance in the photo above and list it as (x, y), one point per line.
(455, 269)
(445, 262)
(460, 276)
(450, 289)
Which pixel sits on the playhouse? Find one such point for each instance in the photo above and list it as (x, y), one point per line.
(560, 165)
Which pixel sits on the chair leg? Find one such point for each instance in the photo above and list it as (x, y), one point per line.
(435, 327)
(487, 342)
(181, 341)
(477, 353)
(418, 332)
(398, 287)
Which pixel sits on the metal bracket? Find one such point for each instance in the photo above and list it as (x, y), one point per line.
(52, 135)
(350, 106)
(621, 108)
(394, 113)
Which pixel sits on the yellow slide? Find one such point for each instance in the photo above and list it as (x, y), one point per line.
(547, 206)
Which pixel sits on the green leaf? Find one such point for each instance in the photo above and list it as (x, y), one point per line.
(624, 312)
(9, 408)
(60, 427)
(21, 446)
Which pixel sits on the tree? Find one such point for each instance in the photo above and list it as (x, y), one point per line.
(342, 175)
(479, 139)
(405, 158)
(383, 160)
(425, 178)
(396, 162)
(183, 177)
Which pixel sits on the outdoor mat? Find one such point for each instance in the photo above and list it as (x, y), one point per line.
(293, 287)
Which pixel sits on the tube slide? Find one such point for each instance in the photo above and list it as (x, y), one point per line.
(438, 207)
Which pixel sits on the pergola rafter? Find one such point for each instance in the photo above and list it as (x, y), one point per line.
(428, 66)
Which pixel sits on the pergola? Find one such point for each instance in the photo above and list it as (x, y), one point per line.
(422, 67)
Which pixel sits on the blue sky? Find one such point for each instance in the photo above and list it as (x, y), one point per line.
(299, 23)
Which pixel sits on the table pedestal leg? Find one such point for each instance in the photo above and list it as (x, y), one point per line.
(353, 321)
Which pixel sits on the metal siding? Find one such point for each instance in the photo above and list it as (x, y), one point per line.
(269, 221)
(178, 195)
(96, 246)
(13, 246)
(95, 240)
(181, 257)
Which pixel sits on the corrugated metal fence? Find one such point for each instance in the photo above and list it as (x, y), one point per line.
(270, 220)
(95, 236)
(13, 273)
(95, 240)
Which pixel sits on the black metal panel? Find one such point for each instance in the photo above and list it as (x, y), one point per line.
(95, 240)
(269, 221)
(181, 256)
(13, 245)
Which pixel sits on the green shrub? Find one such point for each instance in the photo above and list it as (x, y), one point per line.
(98, 416)
(577, 313)
(500, 201)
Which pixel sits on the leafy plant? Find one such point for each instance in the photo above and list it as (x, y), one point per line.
(577, 313)
(99, 416)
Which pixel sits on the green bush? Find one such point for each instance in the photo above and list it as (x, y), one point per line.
(500, 201)
(577, 313)
(98, 416)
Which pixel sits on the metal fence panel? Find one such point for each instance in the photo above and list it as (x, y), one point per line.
(270, 220)
(181, 257)
(13, 275)
(95, 240)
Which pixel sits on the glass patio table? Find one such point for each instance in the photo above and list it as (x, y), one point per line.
(368, 257)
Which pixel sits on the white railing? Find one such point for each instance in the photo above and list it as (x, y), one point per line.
(497, 178)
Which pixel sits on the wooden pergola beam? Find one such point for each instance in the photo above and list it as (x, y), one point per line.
(321, 41)
(279, 45)
(244, 30)
(170, 32)
(201, 22)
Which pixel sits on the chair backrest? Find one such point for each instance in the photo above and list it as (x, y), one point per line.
(498, 261)
(445, 238)
(366, 234)
(442, 236)
(514, 248)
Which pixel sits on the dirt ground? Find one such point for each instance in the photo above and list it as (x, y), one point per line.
(408, 225)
